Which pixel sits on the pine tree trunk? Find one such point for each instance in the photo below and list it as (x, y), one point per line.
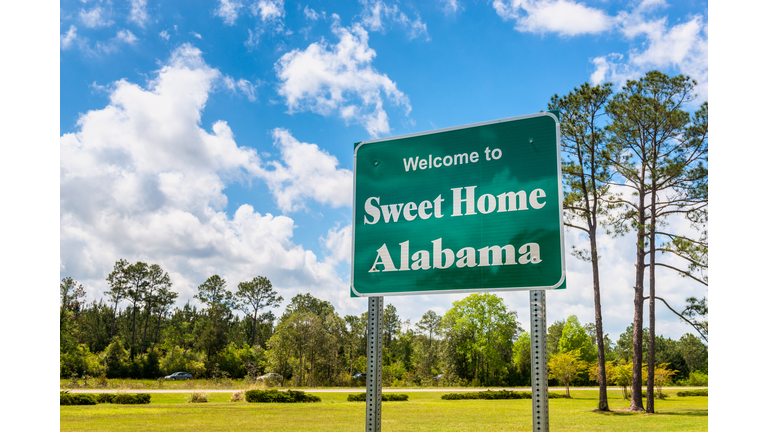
(133, 331)
(636, 401)
(157, 332)
(146, 323)
(652, 302)
(253, 337)
(602, 404)
(114, 315)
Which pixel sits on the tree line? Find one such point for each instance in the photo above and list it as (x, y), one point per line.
(478, 342)
(631, 163)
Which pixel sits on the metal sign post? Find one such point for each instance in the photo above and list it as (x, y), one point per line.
(539, 372)
(374, 368)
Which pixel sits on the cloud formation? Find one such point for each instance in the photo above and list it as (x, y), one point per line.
(94, 18)
(339, 79)
(376, 13)
(141, 179)
(682, 47)
(139, 13)
(306, 172)
(228, 10)
(564, 17)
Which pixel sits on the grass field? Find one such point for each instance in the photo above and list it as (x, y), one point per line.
(424, 411)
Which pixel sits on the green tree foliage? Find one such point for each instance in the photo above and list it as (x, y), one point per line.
(566, 367)
(482, 331)
(622, 376)
(390, 322)
(255, 295)
(694, 352)
(554, 332)
(663, 374)
(219, 304)
(521, 355)
(307, 341)
(427, 349)
(575, 337)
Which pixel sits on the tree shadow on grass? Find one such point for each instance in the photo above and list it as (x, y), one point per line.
(624, 413)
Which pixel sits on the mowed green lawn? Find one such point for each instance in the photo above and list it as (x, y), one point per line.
(424, 411)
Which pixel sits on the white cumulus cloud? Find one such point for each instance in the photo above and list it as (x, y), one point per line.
(228, 10)
(94, 17)
(139, 13)
(141, 179)
(268, 10)
(305, 172)
(339, 79)
(683, 48)
(376, 13)
(69, 38)
(564, 17)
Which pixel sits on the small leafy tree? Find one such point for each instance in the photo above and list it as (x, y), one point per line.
(622, 376)
(565, 367)
(663, 375)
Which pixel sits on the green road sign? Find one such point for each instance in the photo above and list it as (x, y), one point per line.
(464, 209)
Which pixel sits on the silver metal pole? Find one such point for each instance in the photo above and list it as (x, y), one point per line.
(539, 371)
(374, 369)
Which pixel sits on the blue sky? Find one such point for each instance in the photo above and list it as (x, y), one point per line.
(216, 136)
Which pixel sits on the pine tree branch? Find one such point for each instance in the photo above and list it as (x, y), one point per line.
(683, 272)
(695, 326)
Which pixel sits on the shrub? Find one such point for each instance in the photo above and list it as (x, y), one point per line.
(123, 398)
(276, 396)
(237, 396)
(459, 396)
(655, 395)
(79, 360)
(105, 398)
(696, 379)
(494, 394)
(702, 392)
(132, 399)
(358, 397)
(76, 399)
(385, 397)
(198, 397)
(502, 394)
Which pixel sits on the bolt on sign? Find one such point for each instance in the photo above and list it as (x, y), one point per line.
(464, 209)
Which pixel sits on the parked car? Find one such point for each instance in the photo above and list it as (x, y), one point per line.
(179, 376)
(270, 378)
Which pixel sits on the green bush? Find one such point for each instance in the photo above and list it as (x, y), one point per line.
(494, 394)
(385, 397)
(76, 399)
(459, 396)
(105, 398)
(702, 392)
(132, 399)
(276, 396)
(696, 379)
(359, 397)
(503, 394)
